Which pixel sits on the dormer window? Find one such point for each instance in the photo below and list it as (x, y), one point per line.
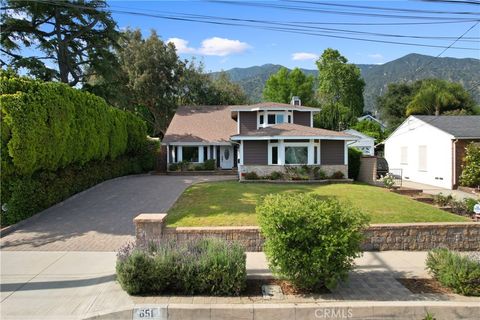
(269, 118)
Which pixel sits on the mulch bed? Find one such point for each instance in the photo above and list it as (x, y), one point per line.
(421, 285)
(254, 287)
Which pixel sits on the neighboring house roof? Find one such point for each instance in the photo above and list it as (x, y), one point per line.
(285, 130)
(457, 126)
(365, 117)
(212, 124)
(272, 106)
(359, 134)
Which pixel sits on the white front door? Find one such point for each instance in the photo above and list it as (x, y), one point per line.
(226, 157)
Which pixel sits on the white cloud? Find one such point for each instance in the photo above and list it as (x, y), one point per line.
(222, 47)
(181, 45)
(304, 56)
(376, 56)
(211, 47)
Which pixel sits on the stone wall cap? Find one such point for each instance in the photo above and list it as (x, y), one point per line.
(424, 224)
(226, 228)
(150, 217)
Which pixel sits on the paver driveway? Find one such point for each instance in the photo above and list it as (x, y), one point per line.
(100, 218)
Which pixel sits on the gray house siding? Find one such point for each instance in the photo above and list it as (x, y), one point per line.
(301, 118)
(332, 152)
(255, 152)
(248, 121)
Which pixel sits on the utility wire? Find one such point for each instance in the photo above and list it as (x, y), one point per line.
(382, 8)
(443, 51)
(312, 9)
(281, 29)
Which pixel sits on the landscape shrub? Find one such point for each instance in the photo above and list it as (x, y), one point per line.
(251, 176)
(337, 175)
(209, 164)
(173, 167)
(298, 172)
(310, 241)
(460, 207)
(354, 159)
(276, 175)
(204, 266)
(442, 200)
(470, 176)
(455, 271)
(319, 174)
(389, 181)
(53, 136)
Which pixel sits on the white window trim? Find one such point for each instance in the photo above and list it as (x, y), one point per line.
(266, 113)
(406, 155)
(281, 152)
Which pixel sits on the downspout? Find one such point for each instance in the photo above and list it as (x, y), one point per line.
(454, 169)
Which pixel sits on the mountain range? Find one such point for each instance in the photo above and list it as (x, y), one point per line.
(377, 76)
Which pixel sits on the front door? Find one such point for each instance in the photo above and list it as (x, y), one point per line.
(226, 157)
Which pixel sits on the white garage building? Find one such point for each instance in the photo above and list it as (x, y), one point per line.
(430, 149)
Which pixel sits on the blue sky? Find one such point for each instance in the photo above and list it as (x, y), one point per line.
(225, 47)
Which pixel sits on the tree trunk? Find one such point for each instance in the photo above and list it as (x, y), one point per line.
(61, 49)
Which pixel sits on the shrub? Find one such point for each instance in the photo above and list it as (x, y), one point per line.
(470, 176)
(442, 200)
(389, 181)
(209, 164)
(455, 271)
(50, 132)
(251, 176)
(470, 203)
(174, 167)
(276, 175)
(354, 159)
(205, 266)
(319, 174)
(337, 175)
(29, 195)
(309, 240)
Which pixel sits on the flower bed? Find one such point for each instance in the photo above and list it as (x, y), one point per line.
(208, 165)
(295, 173)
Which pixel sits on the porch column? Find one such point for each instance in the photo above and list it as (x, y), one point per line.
(345, 152)
(281, 152)
(241, 152)
(311, 150)
(215, 152)
(168, 155)
(200, 154)
(179, 156)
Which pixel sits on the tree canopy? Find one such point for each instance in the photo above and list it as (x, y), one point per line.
(437, 96)
(370, 128)
(285, 84)
(340, 82)
(423, 97)
(75, 37)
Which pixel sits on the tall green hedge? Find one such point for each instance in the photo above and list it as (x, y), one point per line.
(49, 126)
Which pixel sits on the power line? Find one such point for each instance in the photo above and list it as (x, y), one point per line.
(383, 8)
(338, 12)
(443, 51)
(276, 28)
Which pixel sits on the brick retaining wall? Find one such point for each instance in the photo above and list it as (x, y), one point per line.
(378, 237)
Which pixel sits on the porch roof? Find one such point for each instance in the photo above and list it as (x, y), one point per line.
(293, 131)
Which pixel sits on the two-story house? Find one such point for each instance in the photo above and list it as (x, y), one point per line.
(263, 138)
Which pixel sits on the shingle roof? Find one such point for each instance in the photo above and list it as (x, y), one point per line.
(271, 105)
(294, 130)
(212, 124)
(458, 126)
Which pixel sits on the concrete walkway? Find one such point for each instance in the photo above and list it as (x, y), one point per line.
(77, 285)
(100, 218)
(429, 189)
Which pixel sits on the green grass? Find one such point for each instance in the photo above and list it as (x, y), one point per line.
(230, 203)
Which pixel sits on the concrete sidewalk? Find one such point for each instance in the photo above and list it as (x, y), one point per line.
(433, 190)
(78, 285)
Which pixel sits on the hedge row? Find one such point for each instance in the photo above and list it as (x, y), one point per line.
(57, 140)
(49, 125)
(29, 195)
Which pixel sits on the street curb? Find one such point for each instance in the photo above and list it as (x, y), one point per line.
(441, 310)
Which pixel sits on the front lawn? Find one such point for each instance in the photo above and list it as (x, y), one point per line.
(231, 203)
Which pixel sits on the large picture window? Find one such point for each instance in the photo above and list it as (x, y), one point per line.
(190, 154)
(296, 155)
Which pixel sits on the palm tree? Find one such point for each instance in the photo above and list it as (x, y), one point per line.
(434, 97)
